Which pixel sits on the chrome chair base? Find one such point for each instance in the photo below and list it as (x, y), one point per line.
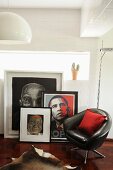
(87, 153)
(95, 151)
(98, 153)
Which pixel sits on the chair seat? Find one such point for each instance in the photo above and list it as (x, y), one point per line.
(78, 135)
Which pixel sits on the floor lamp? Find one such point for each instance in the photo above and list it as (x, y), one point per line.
(103, 52)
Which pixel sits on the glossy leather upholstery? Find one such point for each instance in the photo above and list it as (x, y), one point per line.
(82, 140)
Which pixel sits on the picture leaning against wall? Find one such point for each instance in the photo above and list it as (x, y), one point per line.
(23, 89)
(63, 104)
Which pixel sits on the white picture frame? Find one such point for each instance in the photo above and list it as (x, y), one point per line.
(8, 77)
(35, 124)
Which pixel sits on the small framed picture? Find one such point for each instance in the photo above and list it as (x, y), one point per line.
(35, 124)
(64, 104)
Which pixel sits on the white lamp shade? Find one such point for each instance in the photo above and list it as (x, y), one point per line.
(14, 29)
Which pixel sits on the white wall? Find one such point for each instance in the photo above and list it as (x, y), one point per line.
(82, 86)
(106, 90)
(57, 30)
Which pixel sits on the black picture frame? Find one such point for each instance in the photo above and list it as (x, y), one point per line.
(70, 98)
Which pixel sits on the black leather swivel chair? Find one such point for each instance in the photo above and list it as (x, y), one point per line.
(82, 140)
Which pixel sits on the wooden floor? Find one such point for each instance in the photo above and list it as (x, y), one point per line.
(13, 148)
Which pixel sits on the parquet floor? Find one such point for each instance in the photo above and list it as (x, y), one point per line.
(13, 148)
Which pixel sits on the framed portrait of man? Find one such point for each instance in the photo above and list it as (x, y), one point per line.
(64, 104)
(35, 124)
(23, 89)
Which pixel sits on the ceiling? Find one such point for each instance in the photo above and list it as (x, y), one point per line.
(96, 15)
(41, 3)
(97, 18)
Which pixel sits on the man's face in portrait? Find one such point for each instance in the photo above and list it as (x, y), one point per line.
(31, 95)
(35, 125)
(59, 108)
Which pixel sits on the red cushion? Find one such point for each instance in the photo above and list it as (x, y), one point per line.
(91, 122)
